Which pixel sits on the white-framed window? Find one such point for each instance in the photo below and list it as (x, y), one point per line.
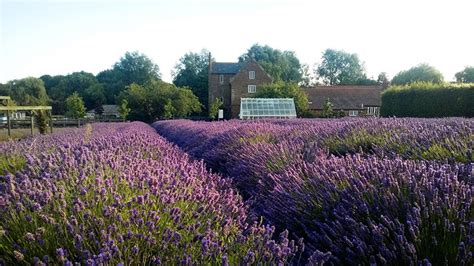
(252, 74)
(372, 111)
(252, 88)
(221, 79)
(353, 113)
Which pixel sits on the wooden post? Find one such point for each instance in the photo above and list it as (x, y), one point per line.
(78, 122)
(9, 124)
(32, 123)
(50, 120)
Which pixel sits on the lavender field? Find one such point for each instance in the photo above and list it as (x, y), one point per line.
(119, 194)
(294, 192)
(359, 191)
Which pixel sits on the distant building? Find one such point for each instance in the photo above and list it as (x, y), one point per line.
(230, 82)
(351, 99)
(110, 111)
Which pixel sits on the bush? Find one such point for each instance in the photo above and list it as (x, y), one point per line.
(422, 99)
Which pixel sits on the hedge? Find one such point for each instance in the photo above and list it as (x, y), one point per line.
(429, 100)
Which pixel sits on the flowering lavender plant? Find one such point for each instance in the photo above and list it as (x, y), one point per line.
(121, 194)
(360, 191)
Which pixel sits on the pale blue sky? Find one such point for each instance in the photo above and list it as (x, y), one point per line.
(62, 36)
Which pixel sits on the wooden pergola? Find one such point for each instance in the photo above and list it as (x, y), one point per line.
(8, 109)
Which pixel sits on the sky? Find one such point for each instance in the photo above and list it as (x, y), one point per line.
(58, 37)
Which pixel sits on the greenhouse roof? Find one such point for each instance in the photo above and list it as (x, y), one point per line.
(254, 108)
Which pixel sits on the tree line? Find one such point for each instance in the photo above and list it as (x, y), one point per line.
(134, 82)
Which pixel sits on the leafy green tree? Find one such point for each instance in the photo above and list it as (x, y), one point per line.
(420, 73)
(192, 71)
(341, 68)
(168, 110)
(133, 67)
(147, 102)
(284, 90)
(214, 108)
(123, 109)
(281, 65)
(75, 106)
(94, 96)
(137, 68)
(383, 80)
(185, 102)
(4, 90)
(328, 109)
(113, 84)
(466, 75)
(61, 87)
(307, 78)
(28, 91)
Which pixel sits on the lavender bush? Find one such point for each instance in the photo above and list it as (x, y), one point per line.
(120, 194)
(361, 191)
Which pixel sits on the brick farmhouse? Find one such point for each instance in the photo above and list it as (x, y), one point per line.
(231, 82)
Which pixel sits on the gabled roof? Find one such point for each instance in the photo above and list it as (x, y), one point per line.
(344, 97)
(110, 109)
(225, 68)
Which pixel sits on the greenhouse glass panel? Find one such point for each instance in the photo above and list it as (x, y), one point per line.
(254, 108)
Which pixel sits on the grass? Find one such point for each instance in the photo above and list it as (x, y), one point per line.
(19, 133)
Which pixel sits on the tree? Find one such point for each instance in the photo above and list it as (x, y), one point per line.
(133, 67)
(281, 65)
(328, 109)
(94, 97)
(168, 109)
(123, 109)
(113, 84)
(147, 102)
(307, 78)
(465, 76)
(192, 71)
(137, 68)
(84, 83)
(75, 106)
(341, 68)
(284, 90)
(31, 91)
(383, 80)
(28, 91)
(420, 73)
(214, 108)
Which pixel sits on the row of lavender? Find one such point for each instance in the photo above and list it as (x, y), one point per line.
(121, 194)
(359, 191)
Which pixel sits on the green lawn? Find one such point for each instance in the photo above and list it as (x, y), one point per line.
(19, 133)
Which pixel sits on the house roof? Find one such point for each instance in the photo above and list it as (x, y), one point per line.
(225, 68)
(110, 109)
(344, 97)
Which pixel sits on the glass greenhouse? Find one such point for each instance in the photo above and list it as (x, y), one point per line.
(255, 108)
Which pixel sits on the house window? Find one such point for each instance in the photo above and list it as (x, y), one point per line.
(353, 113)
(221, 79)
(252, 88)
(251, 74)
(222, 100)
(372, 111)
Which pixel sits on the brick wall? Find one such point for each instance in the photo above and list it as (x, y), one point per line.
(239, 85)
(217, 90)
